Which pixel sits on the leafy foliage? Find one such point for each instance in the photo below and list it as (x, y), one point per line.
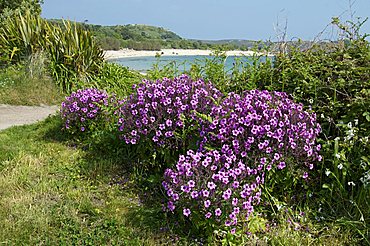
(21, 36)
(116, 79)
(334, 80)
(74, 56)
(10, 7)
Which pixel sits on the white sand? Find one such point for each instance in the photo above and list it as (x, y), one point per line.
(114, 54)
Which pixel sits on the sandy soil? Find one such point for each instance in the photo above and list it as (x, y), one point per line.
(21, 115)
(113, 54)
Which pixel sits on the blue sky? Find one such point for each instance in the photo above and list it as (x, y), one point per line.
(215, 19)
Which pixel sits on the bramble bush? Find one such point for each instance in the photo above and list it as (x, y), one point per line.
(335, 80)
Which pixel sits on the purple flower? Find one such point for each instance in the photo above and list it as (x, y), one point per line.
(207, 203)
(82, 107)
(305, 175)
(191, 183)
(281, 165)
(205, 193)
(235, 201)
(194, 194)
(186, 212)
(211, 185)
(171, 206)
(235, 184)
(169, 123)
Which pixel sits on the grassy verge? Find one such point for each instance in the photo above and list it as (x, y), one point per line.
(18, 87)
(53, 192)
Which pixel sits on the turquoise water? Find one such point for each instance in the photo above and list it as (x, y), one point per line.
(146, 63)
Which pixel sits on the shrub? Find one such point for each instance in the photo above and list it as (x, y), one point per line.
(114, 78)
(243, 137)
(260, 124)
(75, 56)
(21, 35)
(82, 108)
(73, 52)
(335, 79)
(213, 189)
(164, 111)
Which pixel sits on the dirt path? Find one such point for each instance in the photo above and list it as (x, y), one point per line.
(21, 115)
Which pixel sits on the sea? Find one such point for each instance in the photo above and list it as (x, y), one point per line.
(183, 63)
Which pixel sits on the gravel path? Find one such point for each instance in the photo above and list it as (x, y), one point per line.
(21, 115)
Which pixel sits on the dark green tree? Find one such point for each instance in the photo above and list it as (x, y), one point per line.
(8, 7)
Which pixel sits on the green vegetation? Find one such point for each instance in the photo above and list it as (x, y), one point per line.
(116, 79)
(67, 51)
(139, 37)
(92, 188)
(144, 37)
(336, 83)
(10, 7)
(333, 81)
(55, 193)
(21, 86)
(73, 54)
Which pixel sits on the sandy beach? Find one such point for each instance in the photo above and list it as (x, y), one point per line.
(114, 54)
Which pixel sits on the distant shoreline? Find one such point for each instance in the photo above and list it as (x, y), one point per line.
(123, 53)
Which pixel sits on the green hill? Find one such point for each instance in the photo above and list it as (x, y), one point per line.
(145, 37)
(141, 37)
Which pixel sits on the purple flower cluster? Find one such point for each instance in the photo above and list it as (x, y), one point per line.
(265, 128)
(239, 139)
(82, 107)
(161, 109)
(248, 135)
(219, 187)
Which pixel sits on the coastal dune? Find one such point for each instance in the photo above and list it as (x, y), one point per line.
(114, 54)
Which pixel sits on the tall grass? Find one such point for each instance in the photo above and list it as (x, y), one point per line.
(27, 84)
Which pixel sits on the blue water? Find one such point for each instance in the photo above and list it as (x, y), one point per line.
(145, 63)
